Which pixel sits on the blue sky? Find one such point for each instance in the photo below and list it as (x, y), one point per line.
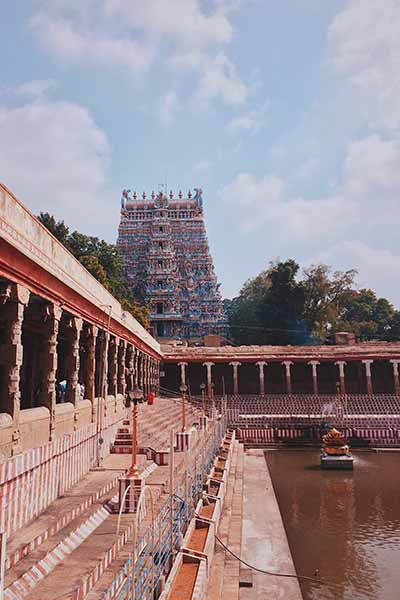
(285, 113)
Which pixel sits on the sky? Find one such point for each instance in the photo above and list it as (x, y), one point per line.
(286, 114)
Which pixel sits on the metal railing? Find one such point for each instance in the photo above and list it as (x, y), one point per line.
(152, 556)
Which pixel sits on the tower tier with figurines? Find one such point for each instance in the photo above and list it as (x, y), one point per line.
(168, 264)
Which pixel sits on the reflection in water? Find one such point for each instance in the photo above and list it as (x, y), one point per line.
(346, 524)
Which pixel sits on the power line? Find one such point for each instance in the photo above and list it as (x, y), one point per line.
(273, 573)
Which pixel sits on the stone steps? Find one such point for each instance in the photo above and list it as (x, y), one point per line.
(69, 549)
(158, 481)
(225, 570)
(61, 512)
(153, 432)
(61, 532)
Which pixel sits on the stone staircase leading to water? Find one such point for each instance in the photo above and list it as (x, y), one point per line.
(154, 428)
(66, 553)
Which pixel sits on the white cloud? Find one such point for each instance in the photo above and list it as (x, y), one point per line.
(365, 45)
(55, 158)
(35, 89)
(369, 191)
(136, 35)
(246, 122)
(342, 229)
(249, 121)
(77, 45)
(169, 107)
(184, 22)
(372, 180)
(218, 80)
(378, 268)
(266, 202)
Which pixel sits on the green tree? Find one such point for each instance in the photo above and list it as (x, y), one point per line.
(325, 297)
(269, 308)
(103, 261)
(393, 333)
(92, 264)
(368, 316)
(278, 307)
(57, 228)
(137, 310)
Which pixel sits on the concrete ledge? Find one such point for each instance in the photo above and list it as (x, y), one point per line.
(5, 420)
(213, 515)
(189, 544)
(34, 426)
(176, 575)
(6, 435)
(264, 541)
(189, 550)
(84, 413)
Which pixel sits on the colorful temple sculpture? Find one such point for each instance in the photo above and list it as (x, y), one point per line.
(168, 264)
(335, 452)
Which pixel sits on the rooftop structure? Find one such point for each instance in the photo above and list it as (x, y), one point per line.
(164, 243)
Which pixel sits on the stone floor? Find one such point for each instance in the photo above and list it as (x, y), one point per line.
(251, 526)
(264, 542)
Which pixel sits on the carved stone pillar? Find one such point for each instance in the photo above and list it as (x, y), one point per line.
(341, 364)
(130, 368)
(146, 374)
(103, 387)
(113, 369)
(314, 364)
(151, 374)
(235, 365)
(89, 383)
(287, 364)
(209, 366)
(157, 376)
(121, 367)
(48, 361)
(16, 298)
(395, 365)
(368, 364)
(261, 364)
(72, 393)
(183, 366)
(138, 368)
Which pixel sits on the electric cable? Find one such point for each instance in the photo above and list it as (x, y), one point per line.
(265, 572)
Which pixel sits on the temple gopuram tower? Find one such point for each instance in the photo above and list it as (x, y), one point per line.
(167, 259)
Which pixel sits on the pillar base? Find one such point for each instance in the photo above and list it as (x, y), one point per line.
(131, 499)
(183, 439)
(16, 446)
(203, 422)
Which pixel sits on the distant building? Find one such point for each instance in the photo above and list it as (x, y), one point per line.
(164, 243)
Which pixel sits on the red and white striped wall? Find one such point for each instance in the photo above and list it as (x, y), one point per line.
(30, 481)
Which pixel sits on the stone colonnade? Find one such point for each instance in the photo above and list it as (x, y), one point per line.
(287, 370)
(93, 361)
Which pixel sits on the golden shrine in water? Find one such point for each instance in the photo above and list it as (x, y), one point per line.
(335, 452)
